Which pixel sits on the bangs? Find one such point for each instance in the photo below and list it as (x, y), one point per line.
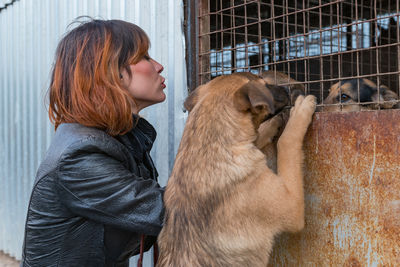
(142, 44)
(132, 42)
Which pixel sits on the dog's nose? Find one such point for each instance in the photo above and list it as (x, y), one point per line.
(280, 95)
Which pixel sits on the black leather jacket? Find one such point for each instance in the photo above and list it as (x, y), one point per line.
(94, 195)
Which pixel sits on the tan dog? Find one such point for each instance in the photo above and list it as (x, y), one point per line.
(223, 204)
(346, 92)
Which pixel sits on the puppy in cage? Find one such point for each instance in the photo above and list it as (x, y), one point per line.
(224, 206)
(359, 94)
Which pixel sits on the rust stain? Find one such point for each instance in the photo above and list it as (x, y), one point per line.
(352, 262)
(352, 193)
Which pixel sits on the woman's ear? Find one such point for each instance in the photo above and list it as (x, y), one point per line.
(124, 76)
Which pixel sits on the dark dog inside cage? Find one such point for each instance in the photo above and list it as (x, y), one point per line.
(360, 94)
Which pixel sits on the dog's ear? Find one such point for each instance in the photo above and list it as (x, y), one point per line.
(388, 95)
(192, 99)
(334, 87)
(254, 97)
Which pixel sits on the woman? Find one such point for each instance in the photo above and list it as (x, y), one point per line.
(96, 193)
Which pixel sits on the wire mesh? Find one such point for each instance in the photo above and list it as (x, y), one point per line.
(316, 42)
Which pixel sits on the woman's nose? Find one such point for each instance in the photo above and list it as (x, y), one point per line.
(158, 66)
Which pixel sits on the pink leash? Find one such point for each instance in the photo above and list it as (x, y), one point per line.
(141, 251)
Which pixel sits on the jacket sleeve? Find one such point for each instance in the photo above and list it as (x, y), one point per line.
(94, 183)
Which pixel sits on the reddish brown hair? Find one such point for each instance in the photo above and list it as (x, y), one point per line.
(86, 84)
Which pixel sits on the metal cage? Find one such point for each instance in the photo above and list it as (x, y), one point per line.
(351, 182)
(315, 42)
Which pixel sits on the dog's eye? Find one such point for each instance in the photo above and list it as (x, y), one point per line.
(344, 98)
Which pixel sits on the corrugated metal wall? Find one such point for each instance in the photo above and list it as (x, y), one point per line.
(29, 32)
(4, 3)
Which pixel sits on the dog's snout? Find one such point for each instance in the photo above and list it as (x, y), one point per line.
(280, 95)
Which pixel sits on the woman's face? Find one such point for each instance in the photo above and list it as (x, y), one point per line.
(146, 85)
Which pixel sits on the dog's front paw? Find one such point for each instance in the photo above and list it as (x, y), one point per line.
(299, 120)
(268, 130)
(303, 109)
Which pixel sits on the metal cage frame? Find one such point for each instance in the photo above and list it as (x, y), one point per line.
(316, 42)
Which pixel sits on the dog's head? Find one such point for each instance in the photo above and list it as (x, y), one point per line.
(245, 92)
(292, 87)
(347, 93)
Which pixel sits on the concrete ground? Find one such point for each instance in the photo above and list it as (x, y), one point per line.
(7, 261)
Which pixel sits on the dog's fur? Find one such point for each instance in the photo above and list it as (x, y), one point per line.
(293, 87)
(346, 92)
(223, 204)
(271, 129)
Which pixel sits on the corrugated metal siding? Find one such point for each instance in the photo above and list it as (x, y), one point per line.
(4, 3)
(29, 32)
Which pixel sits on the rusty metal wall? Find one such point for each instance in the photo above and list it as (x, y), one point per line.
(352, 193)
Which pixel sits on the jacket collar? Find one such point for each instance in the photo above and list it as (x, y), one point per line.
(145, 129)
(140, 138)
